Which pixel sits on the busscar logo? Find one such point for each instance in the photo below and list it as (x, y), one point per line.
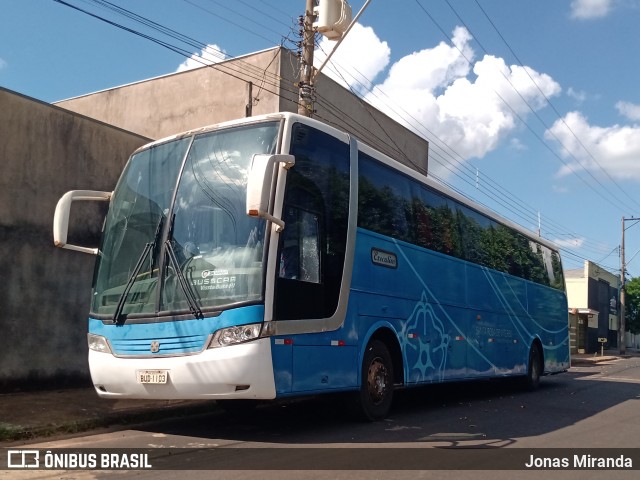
(23, 459)
(155, 346)
(384, 258)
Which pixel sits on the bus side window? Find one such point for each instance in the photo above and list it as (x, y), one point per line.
(300, 250)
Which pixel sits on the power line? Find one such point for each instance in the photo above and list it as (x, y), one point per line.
(553, 107)
(466, 175)
(255, 71)
(517, 115)
(214, 14)
(453, 188)
(241, 72)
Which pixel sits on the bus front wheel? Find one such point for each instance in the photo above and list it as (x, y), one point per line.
(376, 389)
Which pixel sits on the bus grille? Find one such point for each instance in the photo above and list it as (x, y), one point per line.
(159, 346)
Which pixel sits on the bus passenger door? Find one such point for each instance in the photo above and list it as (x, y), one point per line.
(310, 261)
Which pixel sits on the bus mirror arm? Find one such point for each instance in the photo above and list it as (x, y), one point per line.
(259, 185)
(62, 213)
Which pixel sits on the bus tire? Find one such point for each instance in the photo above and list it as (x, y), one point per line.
(534, 369)
(376, 389)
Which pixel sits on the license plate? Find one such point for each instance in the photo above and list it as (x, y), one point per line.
(152, 376)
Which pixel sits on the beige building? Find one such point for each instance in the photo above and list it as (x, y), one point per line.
(259, 83)
(593, 296)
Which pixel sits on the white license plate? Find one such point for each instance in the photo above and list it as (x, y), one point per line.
(152, 376)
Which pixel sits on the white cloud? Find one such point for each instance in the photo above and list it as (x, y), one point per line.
(516, 145)
(570, 243)
(360, 58)
(470, 106)
(209, 55)
(587, 9)
(629, 110)
(616, 148)
(2, 64)
(578, 95)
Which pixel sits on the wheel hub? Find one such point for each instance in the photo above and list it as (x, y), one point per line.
(377, 381)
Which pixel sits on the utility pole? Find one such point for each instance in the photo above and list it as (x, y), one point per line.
(621, 330)
(305, 95)
(622, 348)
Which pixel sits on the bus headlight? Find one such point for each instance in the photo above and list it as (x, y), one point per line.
(234, 335)
(98, 343)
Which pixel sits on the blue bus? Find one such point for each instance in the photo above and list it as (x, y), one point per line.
(276, 256)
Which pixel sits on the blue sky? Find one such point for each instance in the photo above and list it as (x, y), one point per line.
(538, 100)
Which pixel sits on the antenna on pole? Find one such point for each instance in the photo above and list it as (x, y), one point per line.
(539, 225)
(331, 18)
(343, 35)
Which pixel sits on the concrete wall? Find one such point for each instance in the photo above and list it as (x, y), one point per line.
(264, 81)
(44, 152)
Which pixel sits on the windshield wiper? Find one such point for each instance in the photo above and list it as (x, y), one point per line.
(118, 317)
(186, 289)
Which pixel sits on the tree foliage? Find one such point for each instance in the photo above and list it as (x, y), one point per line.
(632, 305)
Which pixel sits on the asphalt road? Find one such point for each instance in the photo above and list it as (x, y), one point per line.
(589, 407)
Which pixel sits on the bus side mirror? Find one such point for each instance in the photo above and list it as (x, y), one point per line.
(62, 213)
(259, 184)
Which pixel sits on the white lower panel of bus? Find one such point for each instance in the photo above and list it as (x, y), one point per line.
(239, 371)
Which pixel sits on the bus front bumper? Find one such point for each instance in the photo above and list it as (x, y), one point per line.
(233, 372)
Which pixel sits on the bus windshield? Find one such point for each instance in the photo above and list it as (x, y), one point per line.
(177, 233)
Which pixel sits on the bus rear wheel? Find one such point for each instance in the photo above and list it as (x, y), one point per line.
(534, 370)
(376, 390)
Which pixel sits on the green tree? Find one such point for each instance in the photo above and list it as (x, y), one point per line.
(632, 305)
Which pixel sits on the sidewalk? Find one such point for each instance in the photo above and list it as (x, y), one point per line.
(580, 359)
(35, 414)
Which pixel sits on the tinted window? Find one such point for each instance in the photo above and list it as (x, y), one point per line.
(385, 200)
(396, 205)
(316, 211)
